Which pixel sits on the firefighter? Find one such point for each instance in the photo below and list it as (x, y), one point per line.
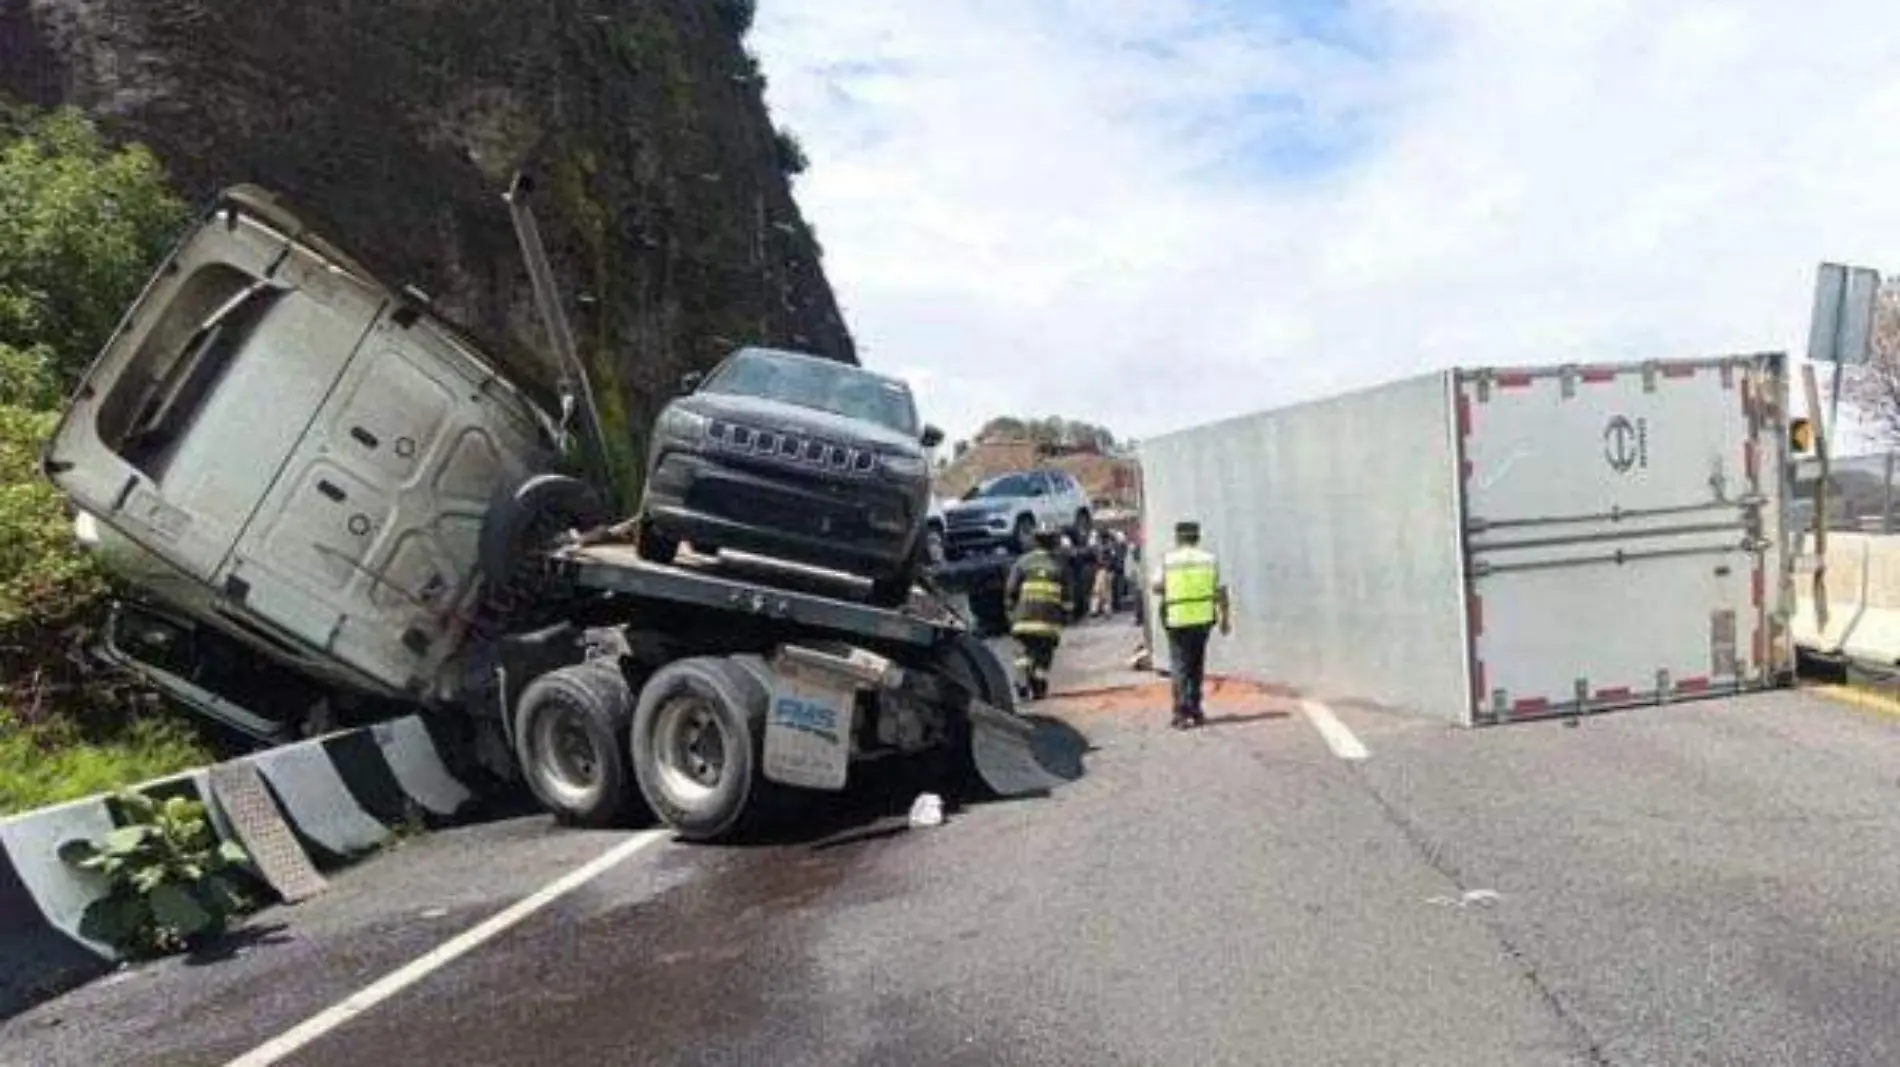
(1193, 602)
(1037, 598)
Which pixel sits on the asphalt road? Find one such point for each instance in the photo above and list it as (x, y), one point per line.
(1714, 882)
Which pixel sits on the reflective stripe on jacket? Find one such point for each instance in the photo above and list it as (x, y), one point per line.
(1189, 580)
(1038, 610)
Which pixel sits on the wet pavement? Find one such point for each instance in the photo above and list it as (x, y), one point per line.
(1707, 883)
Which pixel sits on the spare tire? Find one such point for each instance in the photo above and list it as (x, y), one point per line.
(528, 516)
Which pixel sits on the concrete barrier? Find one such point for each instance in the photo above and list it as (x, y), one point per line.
(1863, 598)
(342, 795)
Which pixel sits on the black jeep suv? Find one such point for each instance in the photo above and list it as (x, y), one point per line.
(797, 458)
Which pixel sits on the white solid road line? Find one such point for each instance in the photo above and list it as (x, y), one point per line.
(1338, 738)
(415, 971)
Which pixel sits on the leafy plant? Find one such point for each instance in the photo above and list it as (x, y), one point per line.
(167, 871)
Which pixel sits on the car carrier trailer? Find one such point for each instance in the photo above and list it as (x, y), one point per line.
(339, 492)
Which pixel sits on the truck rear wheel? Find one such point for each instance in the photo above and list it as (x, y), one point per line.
(697, 743)
(569, 726)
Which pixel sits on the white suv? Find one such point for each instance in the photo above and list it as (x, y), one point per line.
(1006, 510)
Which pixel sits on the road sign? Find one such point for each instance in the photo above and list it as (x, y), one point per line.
(1842, 328)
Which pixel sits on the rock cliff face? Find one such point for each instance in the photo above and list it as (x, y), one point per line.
(394, 125)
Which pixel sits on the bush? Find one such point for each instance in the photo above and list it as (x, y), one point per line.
(167, 873)
(82, 225)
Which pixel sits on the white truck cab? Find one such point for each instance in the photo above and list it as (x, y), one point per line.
(283, 448)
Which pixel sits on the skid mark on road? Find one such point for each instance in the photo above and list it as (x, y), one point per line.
(402, 978)
(1435, 855)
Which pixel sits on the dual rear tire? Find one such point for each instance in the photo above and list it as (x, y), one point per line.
(689, 746)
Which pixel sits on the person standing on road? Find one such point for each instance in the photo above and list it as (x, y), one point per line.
(1193, 602)
(1101, 547)
(1038, 602)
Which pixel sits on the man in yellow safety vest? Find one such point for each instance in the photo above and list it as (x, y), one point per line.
(1193, 602)
(1038, 602)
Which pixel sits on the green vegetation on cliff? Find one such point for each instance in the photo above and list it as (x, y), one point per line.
(82, 224)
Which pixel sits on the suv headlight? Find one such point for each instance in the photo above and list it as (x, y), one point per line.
(904, 466)
(680, 423)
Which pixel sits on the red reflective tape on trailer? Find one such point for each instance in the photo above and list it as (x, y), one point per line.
(1692, 685)
(1474, 607)
(1464, 414)
(1678, 372)
(1477, 680)
(1528, 705)
(1620, 692)
(1757, 583)
(1597, 375)
(1513, 381)
(1750, 464)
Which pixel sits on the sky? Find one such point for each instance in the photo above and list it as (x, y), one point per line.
(1157, 213)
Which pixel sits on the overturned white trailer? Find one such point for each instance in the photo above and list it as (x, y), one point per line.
(1502, 543)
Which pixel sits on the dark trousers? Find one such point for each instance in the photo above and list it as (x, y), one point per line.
(1187, 660)
(1038, 654)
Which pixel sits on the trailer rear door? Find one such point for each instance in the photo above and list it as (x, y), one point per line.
(1618, 532)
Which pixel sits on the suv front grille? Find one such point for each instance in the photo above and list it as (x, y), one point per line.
(798, 449)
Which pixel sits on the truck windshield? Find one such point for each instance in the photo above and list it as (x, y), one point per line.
(822, 384)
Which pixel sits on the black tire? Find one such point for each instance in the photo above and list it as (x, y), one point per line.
(654, 546)
(1025, 532)
(892, 592)
(569, 729)
(522, 518)
(701, 791)
(1082, 527)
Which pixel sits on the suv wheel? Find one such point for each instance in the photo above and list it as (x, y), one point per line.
(1025, 532)
(654, 546)
(893, 590)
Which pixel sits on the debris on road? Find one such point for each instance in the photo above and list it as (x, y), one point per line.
(926, 810)
(1481, 897)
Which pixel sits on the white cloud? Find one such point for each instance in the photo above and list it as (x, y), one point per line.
(1153, 213)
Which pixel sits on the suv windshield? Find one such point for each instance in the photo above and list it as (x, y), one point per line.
(1007, 485)
(817, 383)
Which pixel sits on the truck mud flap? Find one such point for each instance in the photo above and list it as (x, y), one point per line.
(1020, 757)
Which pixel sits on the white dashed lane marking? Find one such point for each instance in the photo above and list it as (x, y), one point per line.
(1337, 736)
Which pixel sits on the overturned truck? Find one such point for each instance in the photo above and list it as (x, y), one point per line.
(339, 509)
